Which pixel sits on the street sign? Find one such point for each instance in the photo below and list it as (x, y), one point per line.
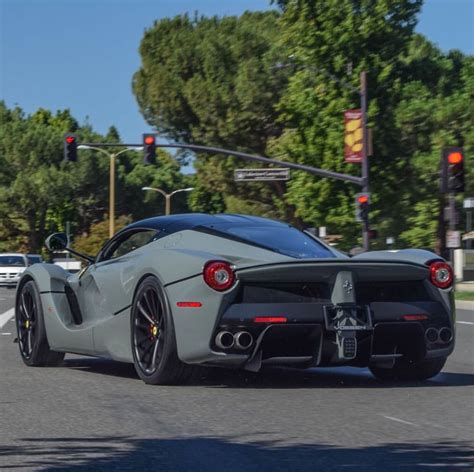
(468, 203)
(241, 175)
(353, 136)
(453, 239)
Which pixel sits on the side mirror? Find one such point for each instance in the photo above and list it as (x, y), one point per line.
(57, 242)
(60, 242)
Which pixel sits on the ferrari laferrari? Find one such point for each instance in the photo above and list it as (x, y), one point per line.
(174, 293)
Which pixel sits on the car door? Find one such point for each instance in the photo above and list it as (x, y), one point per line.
(106, 287)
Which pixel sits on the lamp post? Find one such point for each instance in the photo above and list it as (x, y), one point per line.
(168, 195)
(112, 157)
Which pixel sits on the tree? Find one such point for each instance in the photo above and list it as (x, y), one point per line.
(91, 242)
(228, 82)
(340, 39)
(39, 193)
(215, 81)
(32, 183)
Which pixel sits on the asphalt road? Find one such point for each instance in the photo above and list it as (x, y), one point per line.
(96, 415)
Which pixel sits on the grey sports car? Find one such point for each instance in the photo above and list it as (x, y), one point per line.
(170, 294)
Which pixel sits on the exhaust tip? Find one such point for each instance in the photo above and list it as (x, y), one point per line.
(243, 339)
(224, 340)
(432, 335)
(445, 335)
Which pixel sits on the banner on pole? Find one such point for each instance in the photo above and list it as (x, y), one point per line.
(353, 136)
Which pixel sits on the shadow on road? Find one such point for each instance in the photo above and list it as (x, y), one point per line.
(342, 377)
(229, 454)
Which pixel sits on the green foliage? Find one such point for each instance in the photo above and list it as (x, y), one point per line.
(272, 83)
(218, 81)
(91, 242)
(39, 193)
(214, 81)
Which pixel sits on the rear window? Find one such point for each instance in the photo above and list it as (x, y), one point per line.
(282, 239)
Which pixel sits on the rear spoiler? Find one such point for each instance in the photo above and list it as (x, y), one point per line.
(327, 270)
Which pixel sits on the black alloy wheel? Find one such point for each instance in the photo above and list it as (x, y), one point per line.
(32, 339)
(149, 330)
(26, 322)
(153, 338)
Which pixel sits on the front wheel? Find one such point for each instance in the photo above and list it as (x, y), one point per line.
(404, 370)
(153, 338)
(32, 340)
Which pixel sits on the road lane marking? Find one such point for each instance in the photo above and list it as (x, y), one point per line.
(6, 334)
(399, 420)
(5, 317)
(465, 322)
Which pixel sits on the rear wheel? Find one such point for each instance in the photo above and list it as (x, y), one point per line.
(403, 370)
(153, 338)
(32, 340)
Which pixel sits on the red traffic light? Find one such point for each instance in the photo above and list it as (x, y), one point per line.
(455, 157)
(363, 198)
(70, 139)
(149, 140)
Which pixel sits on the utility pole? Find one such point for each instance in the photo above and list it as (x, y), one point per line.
(365, 157)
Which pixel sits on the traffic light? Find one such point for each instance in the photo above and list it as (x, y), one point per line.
(362, 206)
(373, 234)
(452, 170)
(149, 148)
(70, 147)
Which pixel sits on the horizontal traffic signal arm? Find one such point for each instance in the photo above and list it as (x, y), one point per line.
(249, 157)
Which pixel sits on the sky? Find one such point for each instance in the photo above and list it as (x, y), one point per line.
(81, 54)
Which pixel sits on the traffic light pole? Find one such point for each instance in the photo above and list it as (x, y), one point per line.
(365, 157)
(452, 223)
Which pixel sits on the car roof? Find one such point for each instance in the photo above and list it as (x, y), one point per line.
(173, 223)
(12, 254)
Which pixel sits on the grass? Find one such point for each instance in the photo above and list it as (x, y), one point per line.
(464, 295)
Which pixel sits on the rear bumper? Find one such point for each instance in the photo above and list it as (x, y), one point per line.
(306, 339)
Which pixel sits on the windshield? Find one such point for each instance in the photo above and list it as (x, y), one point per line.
(34, 260)
(17, 261)
(284, 240)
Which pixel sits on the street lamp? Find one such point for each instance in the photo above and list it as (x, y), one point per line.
(168, 195)
(112, 157)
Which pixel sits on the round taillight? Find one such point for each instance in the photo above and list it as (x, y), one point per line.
(441, 274)
(219, 275)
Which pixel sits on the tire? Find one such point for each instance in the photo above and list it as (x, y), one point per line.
(32, 339)
(153, 338)
(403, 370)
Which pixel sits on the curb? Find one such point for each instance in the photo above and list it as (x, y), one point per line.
(464, 304)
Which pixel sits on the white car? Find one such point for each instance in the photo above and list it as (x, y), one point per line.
(12, 266)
